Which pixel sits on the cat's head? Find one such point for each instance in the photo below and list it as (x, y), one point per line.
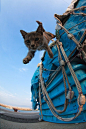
(33, 39)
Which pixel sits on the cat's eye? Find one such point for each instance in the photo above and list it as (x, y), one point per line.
(27, 41)
(36, 39)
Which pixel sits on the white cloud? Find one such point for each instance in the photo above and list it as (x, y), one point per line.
(5, 93)
(23, 69)
(9, 98)
(19, 69)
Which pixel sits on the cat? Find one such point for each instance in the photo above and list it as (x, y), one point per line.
(37, 40)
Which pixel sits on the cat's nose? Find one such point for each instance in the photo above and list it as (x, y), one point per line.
(32, 45)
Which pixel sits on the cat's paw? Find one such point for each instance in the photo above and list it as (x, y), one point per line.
(51, 55)
(26, 60)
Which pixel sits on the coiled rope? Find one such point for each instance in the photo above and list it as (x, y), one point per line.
(81, 97)
(47, 98)
(50, 104)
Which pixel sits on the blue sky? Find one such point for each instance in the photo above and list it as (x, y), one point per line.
(16, 15)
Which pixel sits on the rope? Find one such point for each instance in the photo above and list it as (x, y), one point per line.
(79, 46)
(63, 69)
(79, 14)
(72, 11)
(69, 55)
(46, 94)
(48, 100)
(50, 104)
(40, 119)
(82, 36)
(63, 72)
(58, 70)
(49, 69)
(70, 67)
(75, 9)
(74, 77)
(74, 26)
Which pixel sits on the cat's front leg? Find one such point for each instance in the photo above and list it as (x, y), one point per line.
(49, 52)
(28, 58)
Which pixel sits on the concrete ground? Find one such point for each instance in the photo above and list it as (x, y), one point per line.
(11, 120)
(5, 124)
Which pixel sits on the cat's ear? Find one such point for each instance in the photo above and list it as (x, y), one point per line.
(23, 33)
(49, 35)
(40, 28)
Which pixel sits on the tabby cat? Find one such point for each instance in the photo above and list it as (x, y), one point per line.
(37, 40)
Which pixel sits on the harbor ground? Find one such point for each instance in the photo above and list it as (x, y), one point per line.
(14, 120)
(6, 124)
